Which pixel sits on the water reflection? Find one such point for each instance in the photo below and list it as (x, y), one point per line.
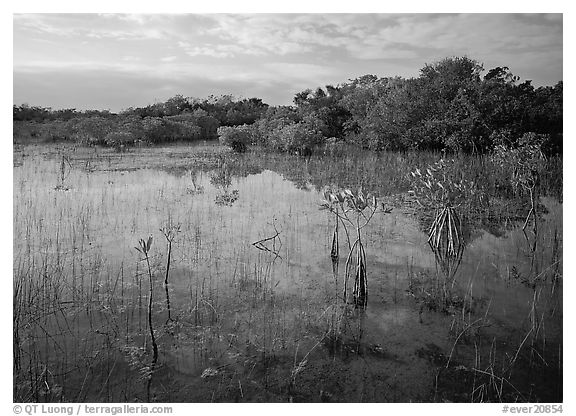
(221, 179)
(255, 295)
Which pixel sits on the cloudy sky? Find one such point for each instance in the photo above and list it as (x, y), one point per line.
(113, 61)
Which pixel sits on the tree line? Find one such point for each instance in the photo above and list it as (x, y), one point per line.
(453, 105)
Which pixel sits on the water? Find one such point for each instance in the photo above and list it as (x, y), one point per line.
(249, 324)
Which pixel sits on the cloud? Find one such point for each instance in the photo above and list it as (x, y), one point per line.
(275, 55)
(174, 69)
(94, 26)
(258, 34)
(126, 34)
(213, 50)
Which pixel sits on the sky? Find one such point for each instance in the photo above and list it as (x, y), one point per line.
(116, 61)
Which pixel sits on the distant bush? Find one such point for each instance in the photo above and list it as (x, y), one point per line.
(275, 118)
(56, 130)
(237, 138)
(119, 140)
(184, 130)
(299, 138)
(169, 129)
(91, 130)
(153, 130)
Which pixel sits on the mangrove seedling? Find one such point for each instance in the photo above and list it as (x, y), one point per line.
(440, 190)
(169, 231)
(526, 163)
(144, 249)
(355, 210)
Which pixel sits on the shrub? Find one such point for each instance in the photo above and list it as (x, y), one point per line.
(91, 130)
(153, 130)
(119, 139)
(55, 130)
(298, 138)
(237, 138)
(184, 130)
(131, 124)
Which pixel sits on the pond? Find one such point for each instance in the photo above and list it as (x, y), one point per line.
(255, 308)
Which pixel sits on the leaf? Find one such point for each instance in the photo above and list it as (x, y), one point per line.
(149, 244)
(209, 372)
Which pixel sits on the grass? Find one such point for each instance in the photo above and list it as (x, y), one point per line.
(269, 324)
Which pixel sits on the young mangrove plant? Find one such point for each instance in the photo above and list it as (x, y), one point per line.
(352, 210)
(524, 165)
(144, 249)
(169, 231)
(443, 191)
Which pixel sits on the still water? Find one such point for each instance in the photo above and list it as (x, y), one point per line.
(254, 322)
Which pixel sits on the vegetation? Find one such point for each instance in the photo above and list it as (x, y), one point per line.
(354, 210)
(237, 138)
(450, 106)
(441, 188)
(524, 166)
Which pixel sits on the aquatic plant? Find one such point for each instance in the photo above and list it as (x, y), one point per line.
(524, 165)
(144, 249)
(169, 231)
(356, 210)
(443, 190)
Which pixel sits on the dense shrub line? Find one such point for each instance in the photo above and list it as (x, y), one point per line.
(450, 106)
